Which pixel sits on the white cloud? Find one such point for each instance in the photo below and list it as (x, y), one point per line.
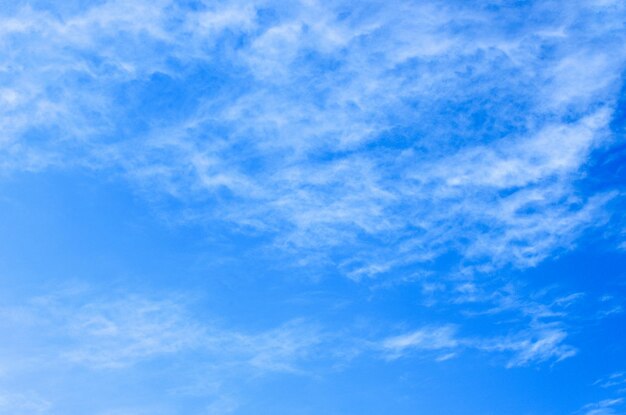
(117, 334)
(120, 333)
(223, 405)
(604, 407)
(15, 403)
(428, 338)
(615, 383)
(532, 346)
(422, 128)
(536, 346)
(535, 324)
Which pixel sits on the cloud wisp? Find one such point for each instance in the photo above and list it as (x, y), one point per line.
(426, 128)
(614, 384)
(525, 328)
(128, 330)
(123, 332)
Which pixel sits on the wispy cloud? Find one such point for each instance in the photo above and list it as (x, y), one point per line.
(614, 384)
(532, 346)
(604, 407)
(16, 402)
(427, 338)
(118, 333)
(108, 334)
(615, 381)
(426, 128)
(526, 328)
(526, 347)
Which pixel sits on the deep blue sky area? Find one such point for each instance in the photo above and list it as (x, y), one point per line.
(304, 208)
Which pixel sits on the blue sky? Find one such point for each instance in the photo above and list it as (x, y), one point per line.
(306, 207)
